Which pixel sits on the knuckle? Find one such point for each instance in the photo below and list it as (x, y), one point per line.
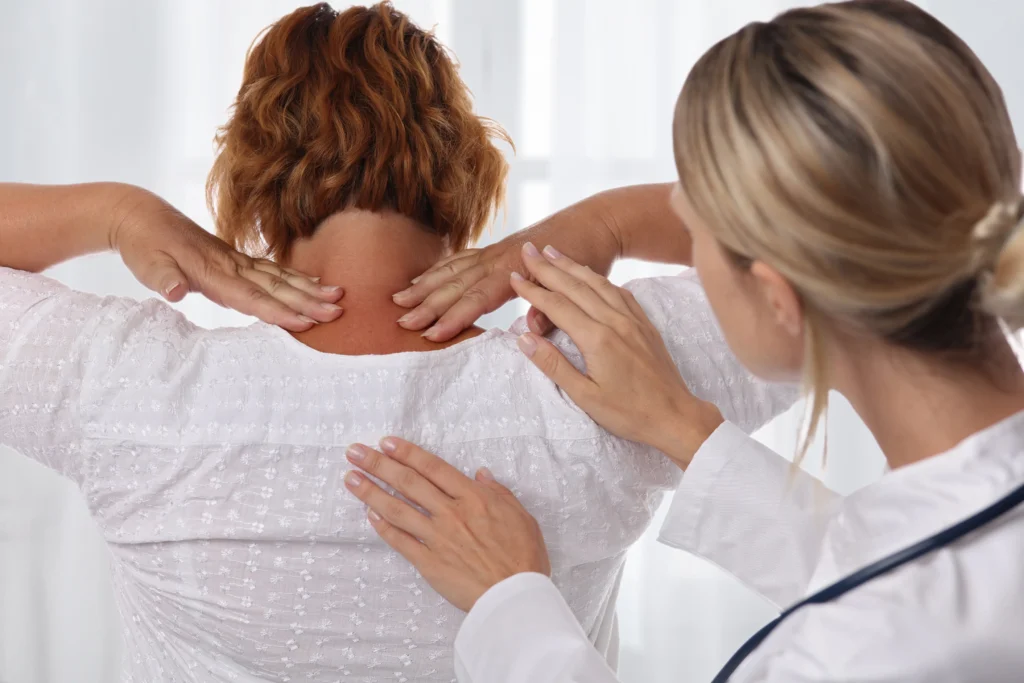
(475, 295)
(430, 468)
(577, 286)
(275, 283)
(256, 295)
(393, 509)
(406, 479)
(549, 363)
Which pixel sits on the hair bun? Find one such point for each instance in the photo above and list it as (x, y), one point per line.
(998, 261)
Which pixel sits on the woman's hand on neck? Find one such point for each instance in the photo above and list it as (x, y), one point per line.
(372, 256)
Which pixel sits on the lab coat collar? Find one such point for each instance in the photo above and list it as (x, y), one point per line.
(918, 500)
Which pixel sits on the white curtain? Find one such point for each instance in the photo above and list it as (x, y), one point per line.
(132, 91)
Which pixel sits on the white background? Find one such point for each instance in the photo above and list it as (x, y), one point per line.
(132, 90)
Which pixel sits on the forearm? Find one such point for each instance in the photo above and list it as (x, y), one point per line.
(644, 224)
(43, 225)
(627, 222)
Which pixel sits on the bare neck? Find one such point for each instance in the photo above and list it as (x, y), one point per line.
(918, 406)
(371, 255)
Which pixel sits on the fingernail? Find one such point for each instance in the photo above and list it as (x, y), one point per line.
(307, 319)
(353, 479)
(400, 295)
(431, 333)
(517, 277)
(527, 344)
(388, 445)
(333, 308)
(551, 252)
(330, 288)
(356, 453)
(485, 473)
(372, 514)
(315, 279)
(531, 250)
(171, 287)
(416, 279)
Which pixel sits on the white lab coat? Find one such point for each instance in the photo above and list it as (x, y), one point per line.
(955, 615)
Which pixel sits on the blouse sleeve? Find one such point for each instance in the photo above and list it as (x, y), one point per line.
(678, 308)
(44, 347)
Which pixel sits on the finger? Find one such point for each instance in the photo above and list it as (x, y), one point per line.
(576, 290)
(403, 543)
(538, 322)
(405, 480)
(485, 296)
(634, 305)
(331, 293)
(445, 477)
(561, 311)
(611, 294)
(397, 512)
(486, 478)
(250, 299)
(438, 274)
(295, 299)
(465, 253)
(471, 294)
(552, 363)
(300, 274)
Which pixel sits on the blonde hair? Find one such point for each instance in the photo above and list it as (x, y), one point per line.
(862, 150)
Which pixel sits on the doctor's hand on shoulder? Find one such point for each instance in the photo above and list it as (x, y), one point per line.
(632, 386)
(467, 535)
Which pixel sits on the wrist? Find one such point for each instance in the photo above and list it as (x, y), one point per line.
(687, 427)
(586, 232)
(119, 203)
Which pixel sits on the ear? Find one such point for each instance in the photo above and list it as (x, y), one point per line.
(782, 300)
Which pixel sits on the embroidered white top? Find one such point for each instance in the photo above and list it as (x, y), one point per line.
(212, 461)
(955, 615)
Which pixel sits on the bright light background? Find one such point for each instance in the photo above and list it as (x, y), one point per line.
(132, 91)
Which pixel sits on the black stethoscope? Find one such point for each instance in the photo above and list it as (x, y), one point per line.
(883, 566)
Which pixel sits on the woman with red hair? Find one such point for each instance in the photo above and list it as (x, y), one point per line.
(213, 460)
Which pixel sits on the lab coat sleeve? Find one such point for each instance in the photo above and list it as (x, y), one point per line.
(748, 510)
(522, 631)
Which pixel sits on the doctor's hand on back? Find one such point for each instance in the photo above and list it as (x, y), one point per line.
(472, 533)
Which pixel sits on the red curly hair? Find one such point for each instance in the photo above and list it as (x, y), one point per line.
(360, 110)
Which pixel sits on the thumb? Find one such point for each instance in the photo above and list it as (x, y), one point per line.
(552, 363)
(167, 279)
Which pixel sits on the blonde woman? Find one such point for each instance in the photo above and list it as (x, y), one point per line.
(852, 186)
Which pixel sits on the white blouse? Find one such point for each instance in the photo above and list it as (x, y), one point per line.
(212, 461)
(953, 616)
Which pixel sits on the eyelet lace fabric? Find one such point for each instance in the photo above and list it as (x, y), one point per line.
(212, 461)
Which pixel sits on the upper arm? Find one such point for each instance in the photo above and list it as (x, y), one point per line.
(678, 309)
(44, 353)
